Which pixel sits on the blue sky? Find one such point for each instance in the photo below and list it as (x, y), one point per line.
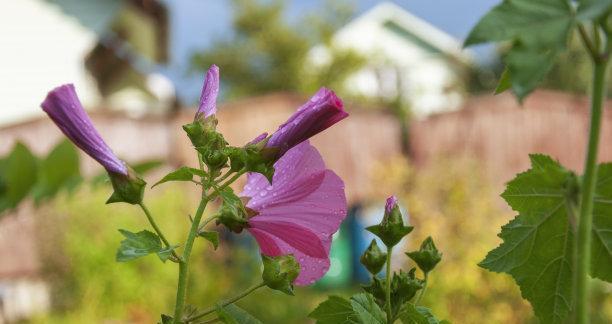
(196, 23)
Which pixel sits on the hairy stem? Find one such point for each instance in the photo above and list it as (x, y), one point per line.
(156, 228)
(181, 291)
(587, 193)
(227, 302)
(388, 282)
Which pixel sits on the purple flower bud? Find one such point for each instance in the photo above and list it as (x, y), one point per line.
(66, 111)
(320, 112)
(210, 90)
(391, 203)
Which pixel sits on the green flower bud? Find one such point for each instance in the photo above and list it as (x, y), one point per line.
(238, 158)
(373, 258)
(232, 217)
(391, 229)
(404, 286)
(127, 188)
(377, 289)
(280, 272)
(427, 257)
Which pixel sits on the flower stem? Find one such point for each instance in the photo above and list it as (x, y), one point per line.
(587, 194)
(388, 282)
(227, 302)
(181, 291)
(422, 293)
(156, 228)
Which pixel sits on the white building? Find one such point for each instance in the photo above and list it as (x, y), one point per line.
(46, 43)
(406, 57)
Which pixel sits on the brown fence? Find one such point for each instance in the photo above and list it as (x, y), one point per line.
(499, 132)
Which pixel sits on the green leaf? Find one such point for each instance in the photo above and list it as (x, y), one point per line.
(182, 174)
(537, 245)
(335, 310)
(589, 9)
(137, 245)
(19, 174)
(504, 83)
(59, 170)
(368, 312)
(165, 253)
(210, 236)
(527, 67)
(232, 314)
(418, 315)
(539, 23)
(601, 249)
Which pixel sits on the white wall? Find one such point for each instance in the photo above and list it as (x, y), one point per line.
(40, 48)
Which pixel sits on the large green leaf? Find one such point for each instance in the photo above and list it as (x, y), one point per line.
(589, 9)
(601, 250)
(368, 312)
(18, 174)
(411, 314)
(335, 310)
(538, 30)
(541, 23)
(537, 248)
(59, 170)
(232, 314)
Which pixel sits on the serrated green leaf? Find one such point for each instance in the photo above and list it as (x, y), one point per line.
(418, 315)
(232, 314)
(19, 174)
(335, 310)
(527, 67)
(59, 170)
(539, 23)
(537, 248)
(210, 236)
(601, 249)
(368, 312)
(181, 174)
(137, 245)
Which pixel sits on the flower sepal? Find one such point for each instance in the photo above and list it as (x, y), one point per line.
(427, 257)
(280, 272)
(232, 213)
(208, 142)
(127, 188)
(373, 258)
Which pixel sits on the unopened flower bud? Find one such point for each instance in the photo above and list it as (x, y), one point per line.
(427, 257)
(404, 286)
(391, 229)
(373, 258)
(280, 272)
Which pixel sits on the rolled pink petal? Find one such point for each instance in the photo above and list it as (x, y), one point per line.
(322, 111)
(66, 111)
(391, 203)
(299, 212)
(210, 91)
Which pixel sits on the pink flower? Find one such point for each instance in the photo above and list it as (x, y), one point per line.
(299, 212)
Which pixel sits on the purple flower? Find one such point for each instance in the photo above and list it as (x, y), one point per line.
(299, 212)
(391, 203)
(66, 111)
(210, 90)
(320, 112)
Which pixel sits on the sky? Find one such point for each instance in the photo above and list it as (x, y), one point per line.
(196, 23)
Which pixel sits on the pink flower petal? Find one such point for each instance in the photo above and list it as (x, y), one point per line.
(299, 237)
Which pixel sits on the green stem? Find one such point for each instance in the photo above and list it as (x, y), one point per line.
(587, 194)
(181, 291)
(227, 302)
(422, 293)
(388, 282)
(156, 228)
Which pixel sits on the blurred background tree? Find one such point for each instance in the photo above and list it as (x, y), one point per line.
(267, 54)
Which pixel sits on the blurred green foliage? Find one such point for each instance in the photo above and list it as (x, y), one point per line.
(266, 54)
